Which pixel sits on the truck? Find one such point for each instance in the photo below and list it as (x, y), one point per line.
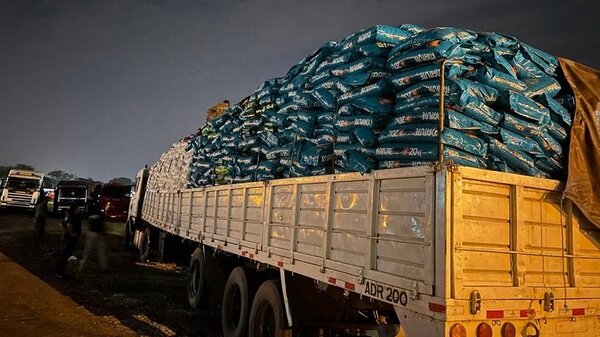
(114, 201)
(443, 251)
(70, 192)
(21, 189)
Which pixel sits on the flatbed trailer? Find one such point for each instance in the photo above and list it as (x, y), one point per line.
(451, 250)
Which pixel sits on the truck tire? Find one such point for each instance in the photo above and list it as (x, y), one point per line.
(237, 299)
(196, 278)
(145, 245)
(267, 316)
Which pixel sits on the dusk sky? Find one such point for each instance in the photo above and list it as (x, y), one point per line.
(100, 88)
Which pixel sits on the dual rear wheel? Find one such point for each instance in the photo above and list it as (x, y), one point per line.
(245, 310)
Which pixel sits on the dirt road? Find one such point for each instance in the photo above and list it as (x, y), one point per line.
(148, 299)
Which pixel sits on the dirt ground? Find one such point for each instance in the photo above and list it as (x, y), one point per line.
(148, 299)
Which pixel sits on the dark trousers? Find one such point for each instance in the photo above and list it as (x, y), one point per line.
(68, 247)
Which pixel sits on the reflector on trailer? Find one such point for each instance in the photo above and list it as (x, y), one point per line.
(484, 330)
(508, 330)
(458, 330)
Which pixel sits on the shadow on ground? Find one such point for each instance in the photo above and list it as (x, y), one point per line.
(147, 298)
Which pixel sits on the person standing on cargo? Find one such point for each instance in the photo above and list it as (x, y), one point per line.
(72, 227)
(39, 220)
(95, 238)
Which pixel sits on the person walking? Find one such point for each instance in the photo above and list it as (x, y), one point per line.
(94, 238)
(72, 232)
(39, 219)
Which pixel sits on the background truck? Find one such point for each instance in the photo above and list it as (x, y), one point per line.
(67, 193)
(114, 201)
(446, 251)
(21, 189)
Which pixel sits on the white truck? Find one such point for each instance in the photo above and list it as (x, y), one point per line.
(21, 189)
(443, 251)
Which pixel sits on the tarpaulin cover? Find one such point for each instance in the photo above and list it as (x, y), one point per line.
(583, 181)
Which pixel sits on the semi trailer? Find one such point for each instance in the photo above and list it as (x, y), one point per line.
(444, 251)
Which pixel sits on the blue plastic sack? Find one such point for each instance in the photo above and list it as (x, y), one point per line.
(390, 164)
(462, 157)
(464, 141)
(319, 78)
(301, 128)
(433, 36)
(411, 76)
(357, 66)
(525, 107)
(525, 67)
(346, 110)
(459, 121)
(515, 158)
(361, 163)
(557, 131)
(545, 61)
(518, 142)
(347, 123)
(325, 118)
(367, 77)
(379, 33)
(497, 79)
(558, 113)
(333, 61)
(306, 101)
(365, 136)
(317, 155)
(373, 105)
(545, 85)
(422, 102)
(290, 108)
(521, 126)
(407, 151)
(325, 98)
(345, 138)
(378, 89)
(443, 50)
(548, 144)
(270, 139)
(410, 133)
(420, 116)
(377, 49)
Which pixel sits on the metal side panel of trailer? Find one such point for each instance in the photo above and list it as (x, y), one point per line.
(419, 239)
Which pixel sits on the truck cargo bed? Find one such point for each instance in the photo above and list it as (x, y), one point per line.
(423, 240)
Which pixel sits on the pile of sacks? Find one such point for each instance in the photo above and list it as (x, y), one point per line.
(372, 101)
(171, 172)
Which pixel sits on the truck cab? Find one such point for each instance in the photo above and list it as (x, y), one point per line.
(134, 217)
(114, 201)
(67, 193)
(21, 189)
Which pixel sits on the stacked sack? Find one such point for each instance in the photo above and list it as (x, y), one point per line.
(504, 108)
(372, 101)
(171, 171)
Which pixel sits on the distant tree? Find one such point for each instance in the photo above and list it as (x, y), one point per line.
(58, 175)
(121, 181)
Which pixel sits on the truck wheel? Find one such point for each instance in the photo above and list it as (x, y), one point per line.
(196, 277)
(237, 299)
(145, 245)
(267, 317)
